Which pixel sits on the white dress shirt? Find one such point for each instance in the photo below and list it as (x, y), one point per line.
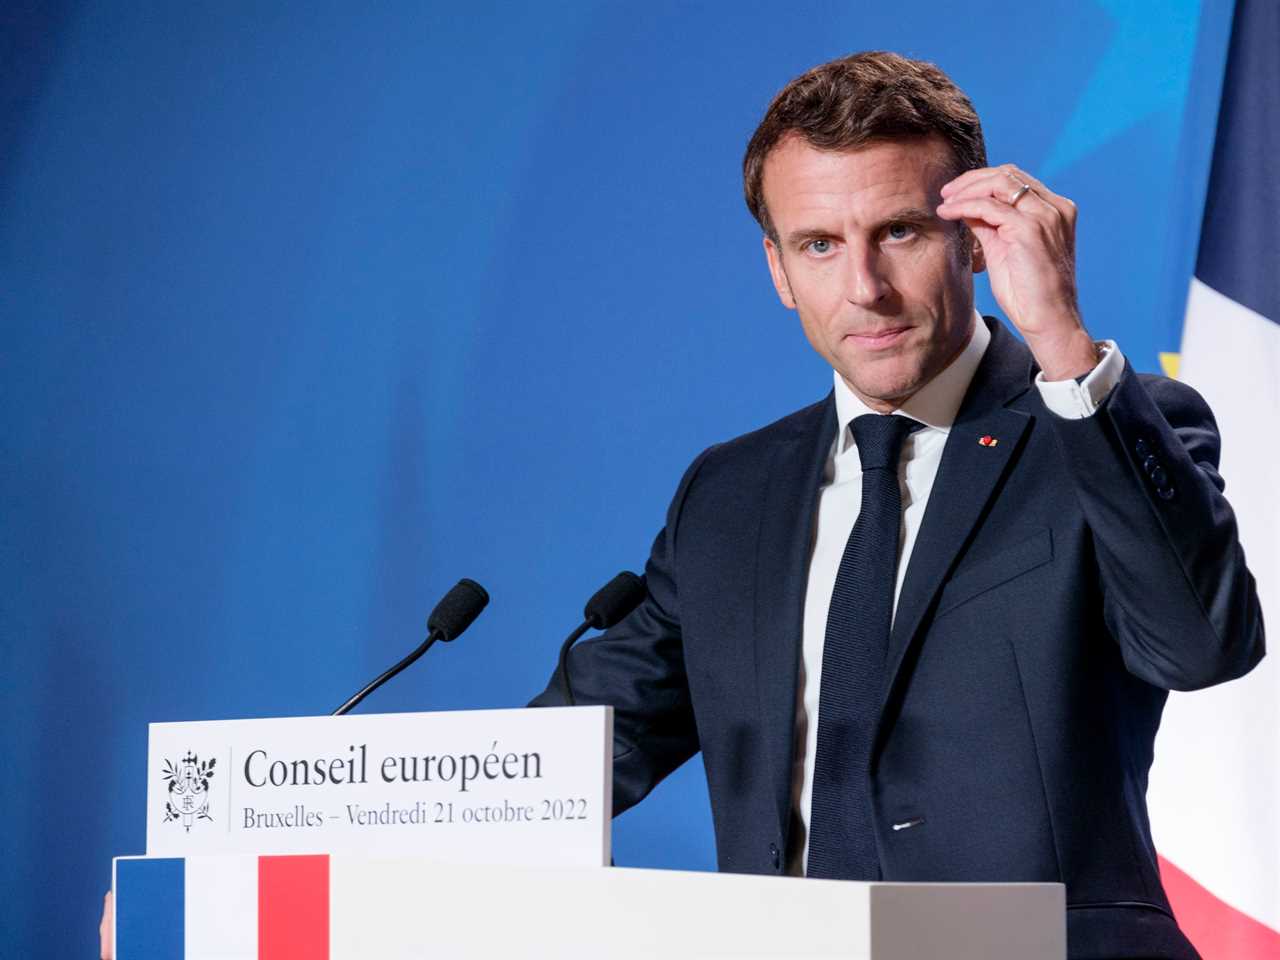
(840, 498)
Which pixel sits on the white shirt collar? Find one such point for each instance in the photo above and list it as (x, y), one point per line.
(936, 403)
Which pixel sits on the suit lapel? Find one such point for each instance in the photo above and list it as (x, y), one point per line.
(782, 563)
(967, 477)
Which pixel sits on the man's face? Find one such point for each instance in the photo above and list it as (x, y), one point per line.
(883, 286)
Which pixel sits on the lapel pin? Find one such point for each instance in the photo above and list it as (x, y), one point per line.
(988, 441)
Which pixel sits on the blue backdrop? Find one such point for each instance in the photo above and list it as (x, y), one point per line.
(310, 309)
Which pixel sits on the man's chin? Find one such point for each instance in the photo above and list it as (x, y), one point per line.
(883, 395)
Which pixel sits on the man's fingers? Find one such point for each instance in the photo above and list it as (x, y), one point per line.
(1058, 203)
(1003, 183)
(987, 182)
(1006, 171)
(995, 184)
(984, 209)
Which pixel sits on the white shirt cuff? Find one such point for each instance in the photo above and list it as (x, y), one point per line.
(1075, 401)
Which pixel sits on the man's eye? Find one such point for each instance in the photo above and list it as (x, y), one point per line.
(899, 231)
(820, 247)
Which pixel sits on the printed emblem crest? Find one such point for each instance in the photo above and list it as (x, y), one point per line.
(188, 789)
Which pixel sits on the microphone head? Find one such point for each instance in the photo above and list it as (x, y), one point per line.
(615, 600)
(457, 609)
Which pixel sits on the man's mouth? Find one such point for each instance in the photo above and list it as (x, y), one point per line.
(878, 339)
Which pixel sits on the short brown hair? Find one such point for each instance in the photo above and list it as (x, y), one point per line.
(859, 99)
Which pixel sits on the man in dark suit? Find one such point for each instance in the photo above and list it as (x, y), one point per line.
(924, 629)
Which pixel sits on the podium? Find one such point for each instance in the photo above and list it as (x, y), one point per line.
(483, 834)
(331, 907)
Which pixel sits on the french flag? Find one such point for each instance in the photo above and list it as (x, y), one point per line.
(1215, 787)
(272, 908)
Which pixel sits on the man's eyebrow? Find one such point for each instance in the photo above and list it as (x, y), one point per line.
(911, 214)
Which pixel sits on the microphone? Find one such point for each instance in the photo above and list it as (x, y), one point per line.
(610, 604)
(455, 612)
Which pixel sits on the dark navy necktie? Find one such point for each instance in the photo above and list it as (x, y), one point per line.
(842, 842)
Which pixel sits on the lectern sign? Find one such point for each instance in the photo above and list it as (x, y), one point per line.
(481, 786)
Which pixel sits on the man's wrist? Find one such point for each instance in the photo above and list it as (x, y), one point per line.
(1065, 358)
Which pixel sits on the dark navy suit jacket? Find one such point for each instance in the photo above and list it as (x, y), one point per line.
(1063, 580)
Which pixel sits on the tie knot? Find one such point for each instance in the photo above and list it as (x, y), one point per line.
(879, 439)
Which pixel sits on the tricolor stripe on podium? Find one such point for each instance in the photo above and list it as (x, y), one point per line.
(272, 908)
(1215, 789)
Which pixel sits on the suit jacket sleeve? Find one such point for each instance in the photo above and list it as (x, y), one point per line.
(1177, 593)
(637, 667)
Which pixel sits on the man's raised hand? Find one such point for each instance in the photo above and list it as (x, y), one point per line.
(1027, 234)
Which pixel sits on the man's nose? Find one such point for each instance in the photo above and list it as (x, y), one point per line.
(865, 282)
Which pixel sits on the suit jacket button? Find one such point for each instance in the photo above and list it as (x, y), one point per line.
(1141, 448)
(775, 856)
(1165, 493)
(1159, 477)
(1150, 463)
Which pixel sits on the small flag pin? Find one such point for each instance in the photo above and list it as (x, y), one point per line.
(988, 441)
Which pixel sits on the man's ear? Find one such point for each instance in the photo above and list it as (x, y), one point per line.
(978, 257)
(780, 283)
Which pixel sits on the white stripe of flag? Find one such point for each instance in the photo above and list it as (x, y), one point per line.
(1214, 793)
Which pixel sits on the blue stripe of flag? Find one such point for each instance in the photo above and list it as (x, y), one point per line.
(149, 909)
(1240, 236)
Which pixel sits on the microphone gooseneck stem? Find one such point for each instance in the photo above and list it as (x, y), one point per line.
(563, 669)
(375, 684)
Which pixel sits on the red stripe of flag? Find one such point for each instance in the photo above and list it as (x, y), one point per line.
(293, 908)
(1218, 930)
